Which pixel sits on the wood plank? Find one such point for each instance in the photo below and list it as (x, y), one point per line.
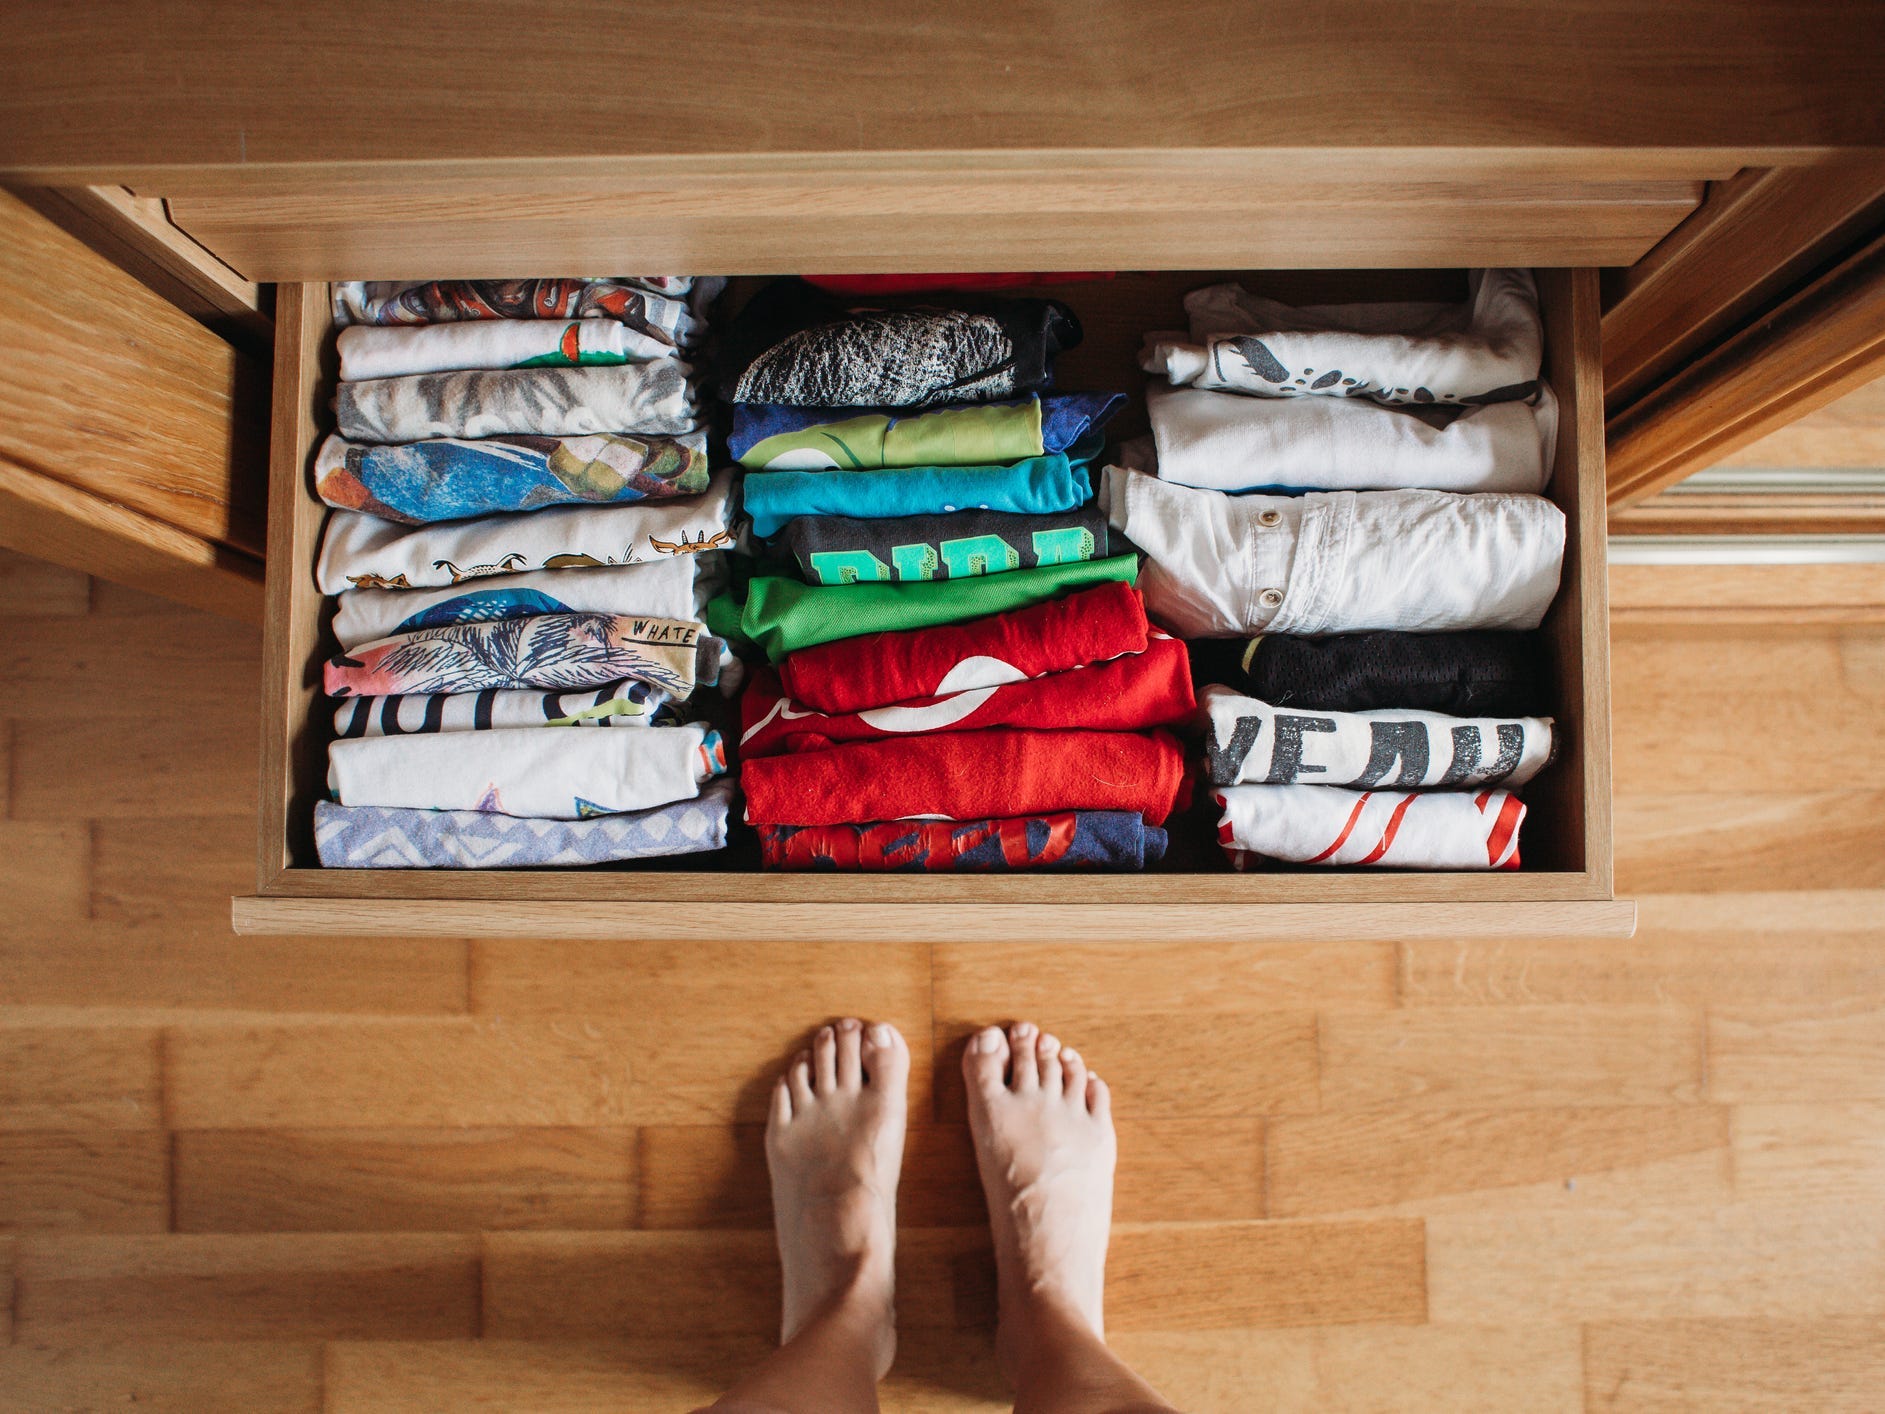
(100, 1181)
(1225, 976)
(1768, 1259)
(137, 235)
(714, 1176)
(1829, 1052)
(1465, 1370)
(1511, 1057)
(1752, 736)
(1846, 433)
(1694, 949)
(1753, 236)
(1663, 597)
(159, 415)
(1658, 1367)
(1419, 1162)
(1241, 213)
(1704, 842)
(305, 1286)
(1822, 342)
(1688, 76)
(197, 1377)
(1682, 509)
(1832, 1152)
(545, 1377)
(48, 867)
(401, 1073)
(78, 1078)
(363, 1180)
(139, 768)
(51, 664)
(31, 587)
(70, 527)
(145, 968)
(1178, 1065)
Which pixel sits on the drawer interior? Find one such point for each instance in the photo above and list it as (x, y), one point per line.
(1566, 846)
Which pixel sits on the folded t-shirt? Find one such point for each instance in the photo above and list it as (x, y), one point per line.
(526, 771)
(1034, 486)
(381, 351)
(1435, 829)
(359, 551)
(1129, 693)
(794, 343)
(663, 588)
(786, 437)
(1232, 443)
(661, 306)
(383, 837)
(1483, 674)
(851, 674)
(654, 398)
(1067, 839)
(784, 616)
(1484, 351)
(848, 550)
(628, 703)
(961, 776)
(1251, 742)
(452, 478)
(559, 651)
(1219, 566)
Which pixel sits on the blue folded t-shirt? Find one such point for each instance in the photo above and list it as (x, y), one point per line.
(1037, 486)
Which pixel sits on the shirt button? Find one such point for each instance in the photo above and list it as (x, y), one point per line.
(1270, 598)
(1270, 518)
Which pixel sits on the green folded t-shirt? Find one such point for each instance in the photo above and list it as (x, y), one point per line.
(785, 615)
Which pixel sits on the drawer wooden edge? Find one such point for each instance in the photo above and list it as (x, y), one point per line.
(915, 922)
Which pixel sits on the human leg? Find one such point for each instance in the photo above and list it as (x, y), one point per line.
(1044, 1143)
(834, 1148)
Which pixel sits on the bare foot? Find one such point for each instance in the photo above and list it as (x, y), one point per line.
(834, 1145)
(1043, 1131)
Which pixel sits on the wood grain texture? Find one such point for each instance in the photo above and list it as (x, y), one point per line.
(79, 1078)
(1797, 1053)
(305, 1286)
(1754, 235)
(176, 1377)
(1832, 1151)
(1648, 597)
(1823, 341)
(1659, 1367)
(91, 1181)
(380, 1180)
(1685, 75)
(118, 393)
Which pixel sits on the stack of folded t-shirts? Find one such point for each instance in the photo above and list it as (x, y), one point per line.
(524, 519)
(963, 677)
(1353, 491)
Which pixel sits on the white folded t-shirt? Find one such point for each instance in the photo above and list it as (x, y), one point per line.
(1249, 742)
(1221, 566)
(1436, 829)
(526, 771)
(1232, 442)
(394, 350)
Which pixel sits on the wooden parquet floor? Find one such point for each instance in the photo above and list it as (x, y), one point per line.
(279, 1174)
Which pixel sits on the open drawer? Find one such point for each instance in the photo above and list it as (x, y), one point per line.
(1565, 885)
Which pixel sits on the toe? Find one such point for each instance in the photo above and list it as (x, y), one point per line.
(1023, 1038)
(798, 1077)
(1048, 1048)
(1099, 1100)
(885, 1057)
(985, 1059)
(850, 1043)
(1073, 1069)
(825, 1061)
(779, 1113)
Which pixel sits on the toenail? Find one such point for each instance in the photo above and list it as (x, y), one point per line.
(1070, 1055)
(850, 1023)
(989, 1041)
(825, 1033)
(1023, 1029)
(880, 1034)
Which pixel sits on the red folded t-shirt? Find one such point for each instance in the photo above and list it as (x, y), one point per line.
(852, 674)
(1127, 693)
(967, 776)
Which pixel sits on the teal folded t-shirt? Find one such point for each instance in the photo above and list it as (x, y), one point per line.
(1037, 486)
(785, 615)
